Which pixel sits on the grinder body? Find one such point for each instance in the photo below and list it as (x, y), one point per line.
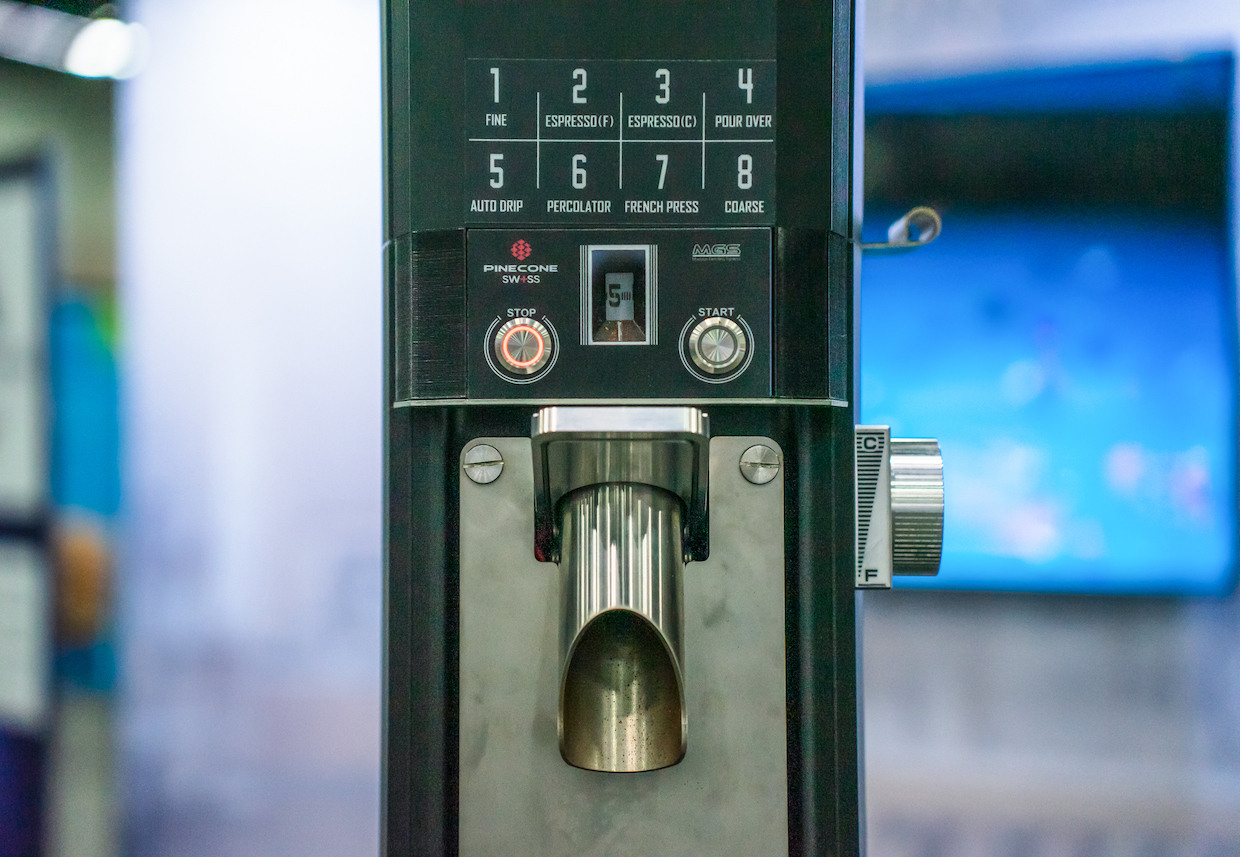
(620, 546)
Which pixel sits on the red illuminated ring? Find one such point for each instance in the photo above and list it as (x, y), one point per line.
(523, 356)
(523, 364)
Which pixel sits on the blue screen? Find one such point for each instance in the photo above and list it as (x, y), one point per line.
(1079, 371)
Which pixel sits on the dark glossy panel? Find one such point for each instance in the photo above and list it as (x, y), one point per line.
(679, 289)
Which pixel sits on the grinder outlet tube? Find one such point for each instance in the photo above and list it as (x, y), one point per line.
(622, 695)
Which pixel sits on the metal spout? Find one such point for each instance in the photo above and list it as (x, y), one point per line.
(622, 696)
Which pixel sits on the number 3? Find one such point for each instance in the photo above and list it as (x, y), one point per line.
(665, 86)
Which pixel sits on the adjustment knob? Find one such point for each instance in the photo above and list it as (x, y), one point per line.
(916, 506)
(717, 345)
(523, 346)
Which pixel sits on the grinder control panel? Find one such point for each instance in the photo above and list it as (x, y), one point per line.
(652, 187)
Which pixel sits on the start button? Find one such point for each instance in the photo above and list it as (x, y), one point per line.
(717, 345)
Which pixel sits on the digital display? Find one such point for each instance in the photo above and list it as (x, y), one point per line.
(1080, 374)
(1071, 337)
(619, 284)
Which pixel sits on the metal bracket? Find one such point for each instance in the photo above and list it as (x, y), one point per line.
(925, 219)
(578, 446)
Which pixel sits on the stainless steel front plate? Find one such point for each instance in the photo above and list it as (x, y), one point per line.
(729, 795)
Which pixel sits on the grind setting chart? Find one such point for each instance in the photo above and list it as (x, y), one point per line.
(620, 141)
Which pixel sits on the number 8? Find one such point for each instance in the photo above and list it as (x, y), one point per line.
(744, 172)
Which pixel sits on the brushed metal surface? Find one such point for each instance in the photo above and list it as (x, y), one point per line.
(717, 345)
(729, 795)
(575, 447)
(622, 704)
(916, 506)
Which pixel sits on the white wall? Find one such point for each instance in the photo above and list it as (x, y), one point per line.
(251, 281)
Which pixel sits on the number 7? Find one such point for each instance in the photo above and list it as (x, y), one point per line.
(662, 159)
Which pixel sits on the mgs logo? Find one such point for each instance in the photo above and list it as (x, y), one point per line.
(716, 251)
(521, 249)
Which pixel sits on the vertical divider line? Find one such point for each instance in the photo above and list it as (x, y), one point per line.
(652, 323)
(584, 285)
(621, 141)
(538, 142)
(703, 141)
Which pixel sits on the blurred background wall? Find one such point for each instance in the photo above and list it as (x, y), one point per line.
(250, 209)
(249, 186)
(1043, 724)
(67, 122)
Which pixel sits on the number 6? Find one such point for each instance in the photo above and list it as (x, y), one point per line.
(579, 171)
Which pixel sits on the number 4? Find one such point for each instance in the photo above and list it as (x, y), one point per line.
(744, 80)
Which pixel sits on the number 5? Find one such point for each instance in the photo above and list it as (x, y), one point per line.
(497, 172)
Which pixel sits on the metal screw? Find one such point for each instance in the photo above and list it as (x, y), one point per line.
(483, 463)
(759, 464)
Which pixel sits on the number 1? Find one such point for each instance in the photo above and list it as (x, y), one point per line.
(495, 74)
(662, 159)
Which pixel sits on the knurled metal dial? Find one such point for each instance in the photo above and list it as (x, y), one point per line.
(523, 346)
(916, 506)
(717, 345)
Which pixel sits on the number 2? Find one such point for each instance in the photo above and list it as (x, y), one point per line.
(579, 90)
(662, 159)
(665, 87)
